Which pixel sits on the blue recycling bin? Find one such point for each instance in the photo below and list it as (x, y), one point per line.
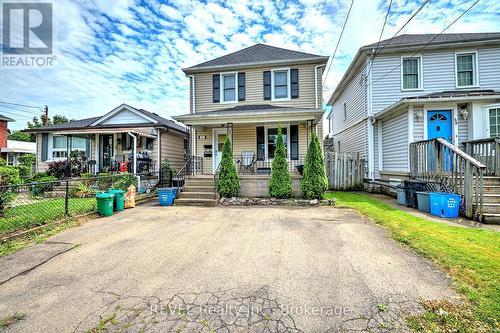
(444, 204)
(166, 196)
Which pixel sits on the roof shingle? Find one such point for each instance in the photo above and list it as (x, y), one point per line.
(258, 53)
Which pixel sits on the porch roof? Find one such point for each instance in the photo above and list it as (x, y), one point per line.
(246, 114)
(440, 97)
(147, 132)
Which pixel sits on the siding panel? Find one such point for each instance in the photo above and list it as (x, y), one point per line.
(394, 143)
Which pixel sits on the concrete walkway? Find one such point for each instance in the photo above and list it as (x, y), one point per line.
(458, 222)
(248, 269)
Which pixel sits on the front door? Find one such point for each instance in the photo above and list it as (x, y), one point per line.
(219, 138)
(439, 125)
(105, 151)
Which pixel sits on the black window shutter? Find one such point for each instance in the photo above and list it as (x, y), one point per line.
(294, 142)
(45, 146)
(294, 80)
(241, 86)
(216, 88)
(261, 144)
(267, 85)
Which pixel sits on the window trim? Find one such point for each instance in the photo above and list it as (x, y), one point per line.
(475, 69)
(289, 85)
(420, 72)
(221, 88)
(487, 108)
(266, 140)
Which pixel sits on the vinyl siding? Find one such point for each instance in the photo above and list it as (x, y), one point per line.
(438, 74)
(255, 91)
(352, 140)
(376, 151)
(418, 125)
(395, 143)
(172, 147)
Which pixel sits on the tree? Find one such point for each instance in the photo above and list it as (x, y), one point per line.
(228, 184)
(21, 136)
(280, 184)
(314, 182)
(39, 122)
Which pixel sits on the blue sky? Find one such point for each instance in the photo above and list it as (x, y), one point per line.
(112, 52)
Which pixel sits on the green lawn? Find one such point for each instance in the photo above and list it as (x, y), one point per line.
(471, 256)
(42, 212)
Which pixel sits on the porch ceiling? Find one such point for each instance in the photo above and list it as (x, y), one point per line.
(147, 132)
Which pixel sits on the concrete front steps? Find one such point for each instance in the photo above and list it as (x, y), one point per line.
(199, 190)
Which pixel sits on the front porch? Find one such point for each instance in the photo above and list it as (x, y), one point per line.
(133, 150)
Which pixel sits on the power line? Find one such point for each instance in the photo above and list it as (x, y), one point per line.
(13, 114)
(377, 52)
(338, 42)
(428, 43)
(17, 109)
(17, 104)
(381, 33)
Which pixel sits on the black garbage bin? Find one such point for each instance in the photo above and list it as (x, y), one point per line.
(411, 189)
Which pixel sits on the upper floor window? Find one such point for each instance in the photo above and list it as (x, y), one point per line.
(281, 84)
(494, 122)
(411, 73)
(228, 87)
(466, 70)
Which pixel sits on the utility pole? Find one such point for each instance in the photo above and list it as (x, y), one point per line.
(46, 120)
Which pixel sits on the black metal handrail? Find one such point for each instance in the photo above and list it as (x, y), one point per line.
(263, 165)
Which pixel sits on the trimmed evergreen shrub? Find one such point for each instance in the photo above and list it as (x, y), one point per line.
(280, 184)
(314, 182)
(228, 183)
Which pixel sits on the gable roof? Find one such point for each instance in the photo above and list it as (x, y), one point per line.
(93, 122)
(407, 40)
(4, 118)
(257, 54)
(411, 42)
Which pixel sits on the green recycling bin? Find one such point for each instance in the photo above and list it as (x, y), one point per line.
(119, 202)
(105, 203)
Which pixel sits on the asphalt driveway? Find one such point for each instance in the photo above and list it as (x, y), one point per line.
(190, 269)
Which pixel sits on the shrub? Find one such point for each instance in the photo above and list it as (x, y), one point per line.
(57, 169)
(42, 185)
(228, 184)
(8, 176)
(123, 181)
(81, 190)
(314, 182)
(27, 161)
(280, 184)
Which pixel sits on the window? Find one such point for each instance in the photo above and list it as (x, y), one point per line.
(59, 145)
(272, 139)
(281, 84)
(345, 110)
(228, 87)
(466, 71)
(11, 159)
(149, 143)
(494, 122)
(411, 73)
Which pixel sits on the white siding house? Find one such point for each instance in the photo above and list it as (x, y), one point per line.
(380, 111)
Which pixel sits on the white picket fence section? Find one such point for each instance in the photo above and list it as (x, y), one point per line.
(345, 171)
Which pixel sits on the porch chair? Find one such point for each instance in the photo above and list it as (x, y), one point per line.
(247, 162)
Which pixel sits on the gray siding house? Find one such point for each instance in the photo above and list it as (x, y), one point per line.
(413, 88)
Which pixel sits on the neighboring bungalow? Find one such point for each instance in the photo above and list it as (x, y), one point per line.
(10, 150)
(247, 95)
(108, 140)
(422, 87)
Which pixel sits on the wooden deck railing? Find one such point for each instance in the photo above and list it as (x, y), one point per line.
(486, 151)
(437, 160)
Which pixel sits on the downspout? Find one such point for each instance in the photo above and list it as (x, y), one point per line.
(316, 84)
(193, 92)
(134, 156)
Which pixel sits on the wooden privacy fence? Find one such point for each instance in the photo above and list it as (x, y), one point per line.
(345, 171)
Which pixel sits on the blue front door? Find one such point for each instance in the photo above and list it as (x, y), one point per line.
(439, 125)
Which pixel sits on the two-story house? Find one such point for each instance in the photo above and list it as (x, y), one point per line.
(415, 88)
(247, 95)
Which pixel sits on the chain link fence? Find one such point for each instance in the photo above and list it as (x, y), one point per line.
(24, 206)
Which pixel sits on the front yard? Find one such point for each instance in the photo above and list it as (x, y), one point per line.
(470, 256)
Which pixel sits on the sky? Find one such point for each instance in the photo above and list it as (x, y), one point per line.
(113, 52)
